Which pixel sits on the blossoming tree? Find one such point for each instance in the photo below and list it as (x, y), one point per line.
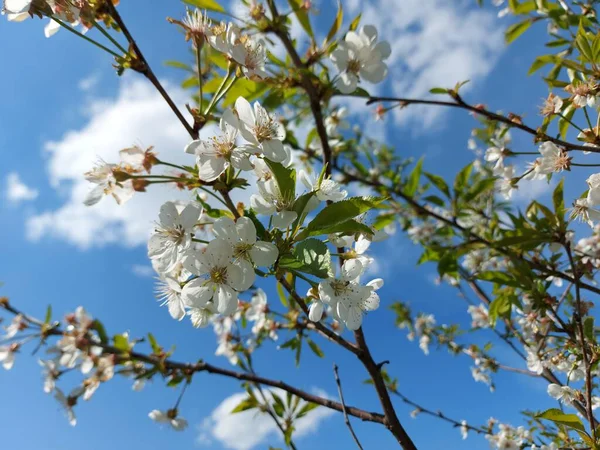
(531, 270)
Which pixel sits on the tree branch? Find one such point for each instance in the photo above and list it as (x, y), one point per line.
(459, 103)
(145, 69)
(341, 394)
(201, 366)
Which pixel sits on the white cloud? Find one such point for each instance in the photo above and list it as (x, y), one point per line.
(138, 115)
(142, 270)
(89, 83)
(434, 43)
(17, 191)
(249, 429)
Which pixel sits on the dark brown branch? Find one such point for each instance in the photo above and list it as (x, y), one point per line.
(323, 330)
(584, 349)
(460, 103)
(438, 414)
(191, 368)
(346, 418)
(144, 68)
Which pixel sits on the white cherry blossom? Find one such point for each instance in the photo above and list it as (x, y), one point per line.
(214, 155)
(7, 356)
(360, 56)
(173, 234)
(241, 236)
(264, 133)
(170, 417)
(219, 278)
(326, 190)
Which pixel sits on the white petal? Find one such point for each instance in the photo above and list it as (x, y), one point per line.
(315, 312)
(176, 308)
(273, 150)
(168, 214)
(240, 275)
(351, 269)
(246, 230)
(284, 219)
(264, 253)
(197, 293)
(193, 147)
(51, 29)
(189, 216)
(226, 300)
(376, 284)
(354, 318)
(209, 167)
(224, 228)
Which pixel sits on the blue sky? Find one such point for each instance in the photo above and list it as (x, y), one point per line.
(60, 97)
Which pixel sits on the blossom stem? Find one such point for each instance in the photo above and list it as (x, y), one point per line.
(110, 38)
(145, 69)
(164, 163)
(202, 241)
(587, 118)
(208, 191)
(200, 77)
(219, 89)
(338, 382)
(585, 165)
(460, 103)
(81, 35)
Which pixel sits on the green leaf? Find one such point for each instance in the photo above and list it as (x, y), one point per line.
(559, 202)
(286, 179)
(48, 317)
(315, 258)
(355, 22)
(99, 327)
(540, 62)
(308, 407)
(438, 90)
(315, 348)
(559, 417)
(347, 228)
(121, 342)
(282, 295)
(412, 183)
(178, 65)
(340, 212)
(500, 278)
(448, 263)
(516, 30)
(155, 347)
(500, 307)
(211, 5)
(439, 183)
(302, 16)
(245, 405)
(563, 123)
(337, 23)
(300, 208)
(462, 179)
(588, 329)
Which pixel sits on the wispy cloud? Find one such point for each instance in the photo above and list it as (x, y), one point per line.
(249, 429)
(17, 191)
(137, 115)
(142, 270)
(434, 43)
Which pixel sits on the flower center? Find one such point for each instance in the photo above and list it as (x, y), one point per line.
(241, 250)
(218, 275)
(175, 234)
(265, 131)
(354, 66)
(339, 287)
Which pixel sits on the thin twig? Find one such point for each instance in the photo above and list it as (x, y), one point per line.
(346, 418)
(459, 103)
(145, 69)
(201, 366)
